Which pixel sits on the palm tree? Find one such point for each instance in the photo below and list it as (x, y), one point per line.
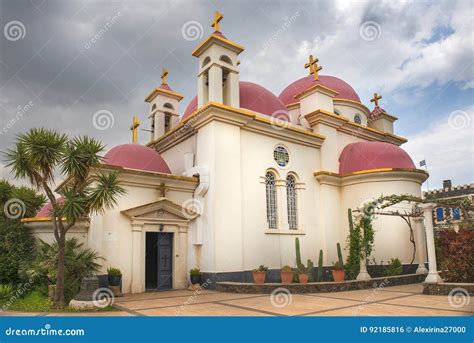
(39, 155)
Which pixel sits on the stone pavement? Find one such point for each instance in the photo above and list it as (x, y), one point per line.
(406, 300)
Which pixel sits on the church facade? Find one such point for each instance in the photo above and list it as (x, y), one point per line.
(231, 182)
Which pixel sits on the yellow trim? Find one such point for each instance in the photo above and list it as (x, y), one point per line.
(37, 219)
(165, 92)
(370, 171)
(293, 104)
(196, 52)
(147, 172)
(310, 89)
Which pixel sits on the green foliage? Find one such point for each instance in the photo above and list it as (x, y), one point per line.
(195, 271)
(79, 262)
(354, 245)
(6, 291)
(261, 268)
(319, 276)
(394, 267)
(339, 254)
(457, 252)
(338, 265)
(286, 269)
(114, 271)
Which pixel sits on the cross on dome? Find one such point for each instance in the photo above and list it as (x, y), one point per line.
(313, 66)
(218, 16)
(134, 129)
(376, 99)
(164, 76)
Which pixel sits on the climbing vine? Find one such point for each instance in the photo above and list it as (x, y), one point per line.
(361, 232)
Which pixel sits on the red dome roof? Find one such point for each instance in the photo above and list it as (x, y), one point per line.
(136, 156)
(45, 211)
(255, 98)
(373, 155)
(343, 88)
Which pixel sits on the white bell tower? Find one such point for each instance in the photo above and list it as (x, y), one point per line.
(218, 77)
(164, 110)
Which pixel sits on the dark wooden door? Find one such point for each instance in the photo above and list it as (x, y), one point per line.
(159, 260)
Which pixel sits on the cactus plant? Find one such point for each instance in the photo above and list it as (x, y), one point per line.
(299, 264)
(339, 254)
(351, 223)
(320, 266)
(310, 270)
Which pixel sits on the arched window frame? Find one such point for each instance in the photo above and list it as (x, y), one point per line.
(271, 199)
(225, 59)
(358, 119)
(292, 201)
(206, 61)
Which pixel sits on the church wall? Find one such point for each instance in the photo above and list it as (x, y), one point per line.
(391, 233)
(349, 112)
(174, 156)
(272, 247)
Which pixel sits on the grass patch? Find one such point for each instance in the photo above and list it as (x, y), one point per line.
(36, 301)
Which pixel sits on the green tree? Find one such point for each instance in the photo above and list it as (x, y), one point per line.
(39, 155)
(16, 243)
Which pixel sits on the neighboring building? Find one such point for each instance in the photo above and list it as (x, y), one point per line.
(232, 182)
(449, 217)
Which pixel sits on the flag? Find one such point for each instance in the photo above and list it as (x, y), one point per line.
(422, 163)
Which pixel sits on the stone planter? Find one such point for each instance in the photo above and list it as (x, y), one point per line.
(196, 279)
(114, 280)
(338, 275)
(303, 278)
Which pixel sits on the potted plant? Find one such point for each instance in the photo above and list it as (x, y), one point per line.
(196, 276)
(303, 276)
(259, 274)
(338, 272)
(286, 274)
(114, 276)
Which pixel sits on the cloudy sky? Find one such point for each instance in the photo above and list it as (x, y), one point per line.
(62, 62)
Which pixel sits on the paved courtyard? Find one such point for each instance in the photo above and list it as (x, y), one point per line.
(405, 300)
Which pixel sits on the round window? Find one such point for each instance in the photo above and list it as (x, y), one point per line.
(281, 156)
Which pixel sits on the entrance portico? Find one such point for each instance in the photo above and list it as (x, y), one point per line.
(163, 217)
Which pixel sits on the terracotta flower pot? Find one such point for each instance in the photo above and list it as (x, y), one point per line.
(259, 277)
(303, 278)
(286, 277)
(338, 275)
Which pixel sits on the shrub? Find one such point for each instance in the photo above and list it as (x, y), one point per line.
(195, 271)
(394, 267)
(6, 291)
(457, 255)
(79, 262)
(114, 271)
(286, 269)
(261, 268)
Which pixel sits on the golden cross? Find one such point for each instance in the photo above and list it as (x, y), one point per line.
(134, 129)
(376, 99)
(313, 66)
(164, 76)
(215, 22)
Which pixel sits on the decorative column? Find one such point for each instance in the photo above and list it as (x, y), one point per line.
(420, 245)
(137, 284)
(363, 273)
(215, 84)
(433, 276)
(282, 218)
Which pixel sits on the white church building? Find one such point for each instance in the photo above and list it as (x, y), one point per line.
(227, 182)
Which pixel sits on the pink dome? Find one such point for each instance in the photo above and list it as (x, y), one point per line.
(254, 98)
(136, 156)
(373, 155)
(45, 211)
(343, 88)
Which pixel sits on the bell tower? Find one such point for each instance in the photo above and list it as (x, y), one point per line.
(164, 110)
(218, 77)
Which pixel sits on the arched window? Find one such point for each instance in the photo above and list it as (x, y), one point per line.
(357, 119)
(291, 202)
(456, 213)
(206, 61)
(439, 214)
(168, 105)
(167, 122)
(271, 200)
(226, 59)
(153, 108)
